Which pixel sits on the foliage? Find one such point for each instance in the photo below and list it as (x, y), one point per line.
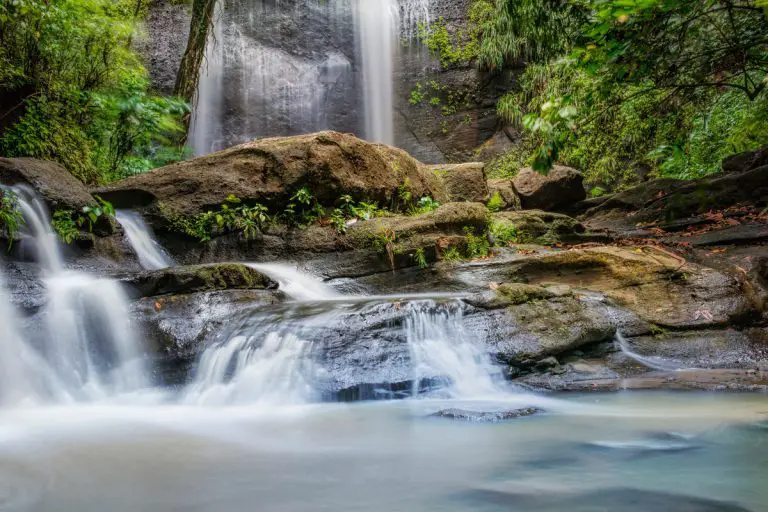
(505, 234)
(495, 203)
(643, 92)
(420, 258)
(68, 225)
(425, 205)
(478, 246)
(452, 255)
(303, 209)
(384, 242)
(11, 218)
(76, 92)
(232, 216)
(460, 45)
(65, 225)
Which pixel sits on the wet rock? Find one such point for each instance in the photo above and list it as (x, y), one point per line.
(52, 182)
(463, 182)
(197, 278)
(270, 171)
(522, 334)
(179, 327)
(540, 226)
(577, 375)
(746, 161)
(503, 190)
(557, 191)
(509, 294)
(485, 417)
(654, 284)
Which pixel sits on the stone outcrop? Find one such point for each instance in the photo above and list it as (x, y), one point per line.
(57, 187)
(271, 171)
(559, 190)
(503, 191)
(463, 182)
(197, 278)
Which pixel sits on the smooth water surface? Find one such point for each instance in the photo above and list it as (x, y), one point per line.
(631, 451)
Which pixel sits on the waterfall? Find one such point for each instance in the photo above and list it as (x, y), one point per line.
(274, 69)
(151, 255)
(378, 28)
(415, 15)
(297, 285)
(251, 369)
(88, 342)
(441, 346)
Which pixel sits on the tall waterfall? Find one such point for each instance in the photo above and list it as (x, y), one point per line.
(151, 255)
(275, 68)
(89, 348)
(377, 28)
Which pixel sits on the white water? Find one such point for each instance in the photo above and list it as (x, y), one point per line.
(256, 82)
(654, 363)
(88, 345)
(295, 284)
(205, 129)
(244, 370)
(378, 27)
(415, 16)
(151, 255)
(441, 346)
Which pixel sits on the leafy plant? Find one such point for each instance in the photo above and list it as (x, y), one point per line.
(478, 246)
(232, 216)
(452, 255)
(65, 225)
(384, 242)
(11, 217)
(495, 203)
(507, 234)
(420, 258)
(425, 205)
(303, 209)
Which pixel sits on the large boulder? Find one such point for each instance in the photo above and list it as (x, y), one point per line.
(197, 278)
(57, 187)
(463, 182)
(270, 171)
(559, 190)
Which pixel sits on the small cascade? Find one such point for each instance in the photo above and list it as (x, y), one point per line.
(151, 255)
(654, 363)
(250, 369)
(441, 346)
(38, 223)
(378, 28)
(297, 285)
(415, 15)
(89, 344)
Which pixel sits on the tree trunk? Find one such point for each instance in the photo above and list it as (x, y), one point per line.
(189, 70)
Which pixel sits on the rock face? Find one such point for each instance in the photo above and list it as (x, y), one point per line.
(58, 188)
(167, 26)
(541, 226)
(559, 190)
(270, 171)
(463, 182)
(746, 161)
(661, 203)
(198, 278)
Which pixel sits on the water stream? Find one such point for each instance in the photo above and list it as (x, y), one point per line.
(151, 255)
(254, 424)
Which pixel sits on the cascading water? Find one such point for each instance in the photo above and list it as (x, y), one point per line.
(151, 255)
(441, 346)
(287, 67)
(295, 284)
(416, 14)
(88, 342)
(378, 27)
(654, 363)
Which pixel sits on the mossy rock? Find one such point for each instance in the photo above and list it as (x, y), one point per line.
(510, 294)
(197, 278)
(541, 227)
